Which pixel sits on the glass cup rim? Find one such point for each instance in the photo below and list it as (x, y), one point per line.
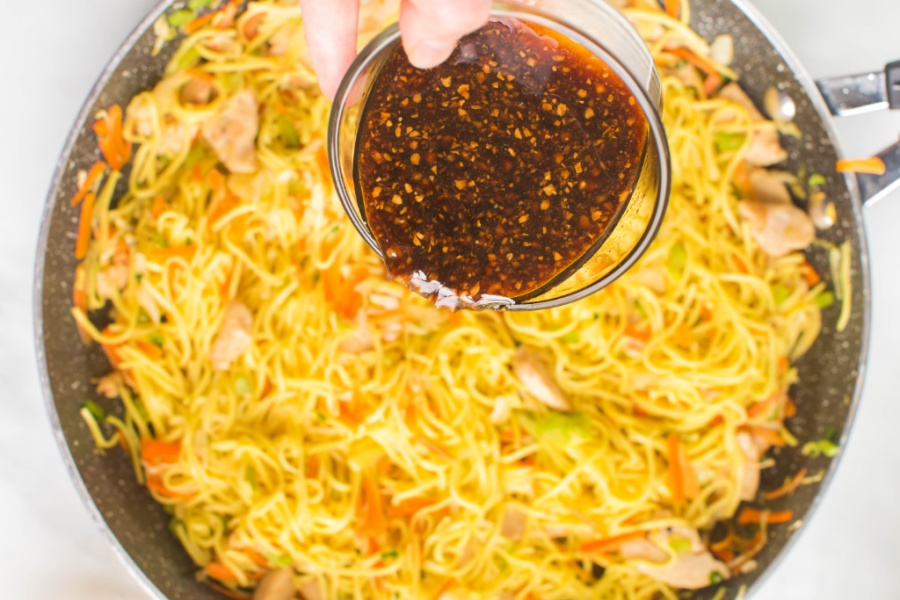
(656, 135)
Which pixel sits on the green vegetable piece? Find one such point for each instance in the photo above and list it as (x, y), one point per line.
(242, 386)
(825, 299)
(156, 339)
(196, 5)
(390, 555)
(289, 135)
(187, 60)
(563, 429)
(571, 338)
(816, 180)
(180, 18)
(729, 142)
(715, 577)
(282, 560)
(96, 410)
(680, 545)
(780, 293)
(677, 261)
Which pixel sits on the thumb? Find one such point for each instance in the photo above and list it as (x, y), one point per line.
(431, 28)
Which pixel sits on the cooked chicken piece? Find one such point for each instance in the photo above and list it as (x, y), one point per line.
(198, 91)
(691, 568)
(768, 188)
(311, 590)
(111, 280)
(538, 381)
(749, 482)
(513, 525)
(777, 228)
(281, 41)
(276, 585)
(357, 342)
(232, 134)
(234, 336)
(108, 385)
(689, 76)
(653, 278)
(765, 148)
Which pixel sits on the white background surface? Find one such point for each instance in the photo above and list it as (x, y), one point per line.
(52, 51)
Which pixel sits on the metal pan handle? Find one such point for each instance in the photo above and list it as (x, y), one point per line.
(863, 93)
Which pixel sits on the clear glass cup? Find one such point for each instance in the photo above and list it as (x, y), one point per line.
(605, 32)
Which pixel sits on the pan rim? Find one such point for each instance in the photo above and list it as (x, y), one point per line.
(806, 81)
(62, 165)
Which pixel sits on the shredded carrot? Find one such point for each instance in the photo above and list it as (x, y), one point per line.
(155, 452)
(712, 83)
(610, 544)
(341, 292)
(742, 181)
(201, 75)
(642, 334)
(790, 484)
(92, 177)
(221, 572)
(251, 26)
(160, 254)
(352, 411)
(158, 207)
(203, 20)
(257, 558)
(155, 484)
(810, 274)
(676, 475)
(762, 408)
(752, 515)
(435, 447)
(740, 264)
(84, 226)
(372, 514)
(673, 8)
(790, 409)
(111, 138)
(228, 593)
(716, 421)
(872, 166)
(783, 365)
(444, 588)
(151, 351)
(768, 435)
(704, 64)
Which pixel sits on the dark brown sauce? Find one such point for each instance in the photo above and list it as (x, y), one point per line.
(489, 176)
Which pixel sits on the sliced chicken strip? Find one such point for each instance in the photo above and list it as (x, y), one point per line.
(768, 187)
(276, 585)
(692, 568)
(749, 481)
(232, 134)
(234, 336)
(765, 148)
(538, 381)
(777, 228)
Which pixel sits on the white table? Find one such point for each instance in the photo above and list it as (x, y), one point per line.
(51, 549)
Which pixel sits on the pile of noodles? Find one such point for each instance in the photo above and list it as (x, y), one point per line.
(374, 444)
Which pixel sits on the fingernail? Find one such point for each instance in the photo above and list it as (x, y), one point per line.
(427, 54)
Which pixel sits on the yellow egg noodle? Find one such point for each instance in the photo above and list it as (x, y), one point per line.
(298, 413)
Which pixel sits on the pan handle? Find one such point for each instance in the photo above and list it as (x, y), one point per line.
(863, 93)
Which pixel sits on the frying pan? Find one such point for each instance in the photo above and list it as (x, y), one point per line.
(831, 374)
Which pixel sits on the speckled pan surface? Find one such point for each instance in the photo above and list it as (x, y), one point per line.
(831, 374)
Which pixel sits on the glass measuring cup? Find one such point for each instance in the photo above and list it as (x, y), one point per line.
(605, 33)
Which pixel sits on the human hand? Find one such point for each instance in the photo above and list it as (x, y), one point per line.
(429, 29)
